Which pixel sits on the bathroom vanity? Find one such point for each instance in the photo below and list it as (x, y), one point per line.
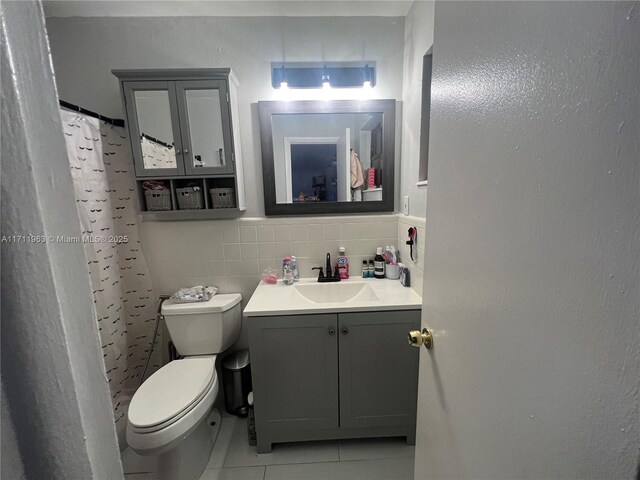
(332, 361)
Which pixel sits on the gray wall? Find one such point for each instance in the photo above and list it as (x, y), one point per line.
(532, 278)
(53, 377)
(86, 49)
(418, 38)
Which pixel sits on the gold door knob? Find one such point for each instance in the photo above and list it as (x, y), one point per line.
(417, 338)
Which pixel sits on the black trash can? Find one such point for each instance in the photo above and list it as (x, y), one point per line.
(236, 379)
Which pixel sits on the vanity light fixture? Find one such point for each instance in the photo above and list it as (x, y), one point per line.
(324, 76)
(326, 79)
(367, 76)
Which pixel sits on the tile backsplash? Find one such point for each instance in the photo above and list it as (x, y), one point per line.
(231, 254)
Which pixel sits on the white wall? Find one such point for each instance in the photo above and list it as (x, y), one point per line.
(532, 278)
(53, 377)
(418, 38)
(86, 49)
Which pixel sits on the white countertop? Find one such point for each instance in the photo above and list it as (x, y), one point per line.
(376, 295)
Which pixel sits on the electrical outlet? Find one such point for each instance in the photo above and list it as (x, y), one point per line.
(405, 205)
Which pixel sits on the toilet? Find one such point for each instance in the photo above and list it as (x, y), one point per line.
(170, 415)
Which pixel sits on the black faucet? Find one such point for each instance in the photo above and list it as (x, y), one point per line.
(329, 277)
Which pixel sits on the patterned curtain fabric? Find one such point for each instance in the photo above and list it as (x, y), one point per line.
(125, 304)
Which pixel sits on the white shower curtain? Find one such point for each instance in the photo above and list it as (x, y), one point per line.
(125, 305)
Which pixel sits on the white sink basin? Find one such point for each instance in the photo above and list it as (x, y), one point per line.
(310, 297)
(338, 292)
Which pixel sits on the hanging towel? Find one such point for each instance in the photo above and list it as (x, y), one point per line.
(357, 179)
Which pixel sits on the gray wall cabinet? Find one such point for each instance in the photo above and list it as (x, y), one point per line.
(184, 131)
(333, 376)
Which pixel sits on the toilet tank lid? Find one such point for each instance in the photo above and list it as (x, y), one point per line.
(217, 303)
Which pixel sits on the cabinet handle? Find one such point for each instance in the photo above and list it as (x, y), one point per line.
(220, 155)
(332, 331)
(177, 151)
(186, 151)
(345, 330)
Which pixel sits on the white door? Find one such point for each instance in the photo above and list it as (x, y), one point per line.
(343, 166)
(532, 283)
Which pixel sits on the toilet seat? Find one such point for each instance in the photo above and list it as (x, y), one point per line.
(180, 396)
(171, 392)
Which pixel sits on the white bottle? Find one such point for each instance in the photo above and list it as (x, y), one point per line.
(294, 269)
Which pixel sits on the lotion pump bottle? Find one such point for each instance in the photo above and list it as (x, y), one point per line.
(343, 264)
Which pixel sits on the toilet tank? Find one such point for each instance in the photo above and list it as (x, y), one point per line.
(204, 328)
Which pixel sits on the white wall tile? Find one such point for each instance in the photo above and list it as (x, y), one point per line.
(266, 250)
(231, 231)
(299, 249)
(299, 233)
(283, 249)
(250, 267)
(248, 234)
(265, 234)
(316, 232)
(248, 250)
(282, 233)
(232, 251)
(332, 231)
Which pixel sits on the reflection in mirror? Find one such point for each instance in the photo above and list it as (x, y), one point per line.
(154, 124)
(327, 157)
(205, 128)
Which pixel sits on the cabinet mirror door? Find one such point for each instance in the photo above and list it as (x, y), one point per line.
(155, 134)
(204, 123)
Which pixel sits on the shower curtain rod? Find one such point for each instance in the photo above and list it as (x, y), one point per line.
(118, 122)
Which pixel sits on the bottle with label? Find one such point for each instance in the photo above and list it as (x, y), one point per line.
(343, 264)
(287, 276)
(294, 269)
(365, 269)
(371, 269)
(378, 264)
(286, 262)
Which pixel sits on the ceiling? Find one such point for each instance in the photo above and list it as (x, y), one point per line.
(226, 8)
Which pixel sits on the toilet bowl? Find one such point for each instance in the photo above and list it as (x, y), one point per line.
(168, 414)
(171, 404)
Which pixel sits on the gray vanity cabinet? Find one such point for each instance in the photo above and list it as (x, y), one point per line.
(331, 376)
(378, 369)
(294, 360)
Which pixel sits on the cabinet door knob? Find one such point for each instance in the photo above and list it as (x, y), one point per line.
(177, 151)
(186, 151)
(417, 338)
(332, 331)
(345, 330)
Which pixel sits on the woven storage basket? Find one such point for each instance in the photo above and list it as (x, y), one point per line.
(158, 199)
(189, 198)
(223, 197)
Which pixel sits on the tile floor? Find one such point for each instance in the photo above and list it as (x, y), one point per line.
(234, 459)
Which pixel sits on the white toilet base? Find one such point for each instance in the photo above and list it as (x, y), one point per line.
(190, 456)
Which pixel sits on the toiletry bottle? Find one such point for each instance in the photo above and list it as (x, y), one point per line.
(294, 269)
(287, 276)
(286, 261)
(343, 264)
(365, 269)
(378, 264)
(371, 269)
